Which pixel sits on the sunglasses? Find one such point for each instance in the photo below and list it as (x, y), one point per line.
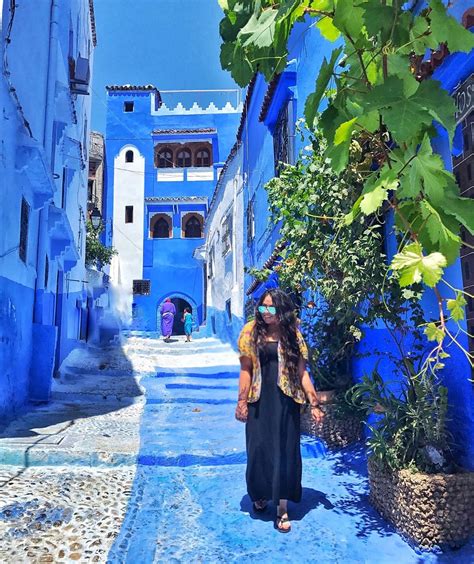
(271, 309)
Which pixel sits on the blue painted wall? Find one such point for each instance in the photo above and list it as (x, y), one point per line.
(168, 263)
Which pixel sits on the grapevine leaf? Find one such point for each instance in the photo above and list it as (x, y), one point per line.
(259, 31)
(438, 103)
(376, 191)
(441, 237)
(339, 151)
(414, 267)
(446, 29)
(378, 19)
(324, 76)
(348, 18)
(456, 307)
(327, 28)
(462, 209)
(434, 333)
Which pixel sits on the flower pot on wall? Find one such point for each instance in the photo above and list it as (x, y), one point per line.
(429, 510)
(337, 432)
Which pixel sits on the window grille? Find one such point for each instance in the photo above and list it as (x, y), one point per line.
(227, 234)
(161, 229)
(141, 287)
(24, 222)
(192, 229)
(282, 139)
(165, 159)
(183, 159)
(203, 158)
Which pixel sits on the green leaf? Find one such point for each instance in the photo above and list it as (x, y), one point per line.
(344, 132)
(241, 68)
(456, 307)
(432, 97)
(414, 267)
(349, 18)
(376, 190)
(460, 208)
(446, 29)
(327, 28)
(378, 19)
(324, 76)
(259, 31)
(434, 333)
(441, 236)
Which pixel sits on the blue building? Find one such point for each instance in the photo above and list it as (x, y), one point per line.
(43, 171)
(166, 162)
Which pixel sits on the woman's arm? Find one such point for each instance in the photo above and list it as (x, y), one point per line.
(309, 391)
(245, 380)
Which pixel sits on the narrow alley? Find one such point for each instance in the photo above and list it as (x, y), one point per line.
(138, 459)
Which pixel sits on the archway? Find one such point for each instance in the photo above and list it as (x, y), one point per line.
(180, 302)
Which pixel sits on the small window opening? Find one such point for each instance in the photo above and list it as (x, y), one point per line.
(128, 106)
(129, 157)
(128, 214)
(24, 223)
(203, 158)
(184, 158)
(192, 229)
(46, 273)
(141, 287)
(165, 159)
(228, 310)
(161, 229)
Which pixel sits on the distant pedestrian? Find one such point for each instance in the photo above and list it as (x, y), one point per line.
(188, 323)
(273, 384)
(167, 311)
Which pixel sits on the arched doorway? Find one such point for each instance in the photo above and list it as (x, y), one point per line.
(178, 325)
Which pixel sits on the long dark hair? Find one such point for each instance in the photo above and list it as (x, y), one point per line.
(285, 311)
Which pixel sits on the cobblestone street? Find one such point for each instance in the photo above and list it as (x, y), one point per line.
(138, 459)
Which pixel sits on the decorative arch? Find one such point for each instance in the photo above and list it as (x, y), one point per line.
(126, 149)
(164, 157)
(203, 156)
(192, 226)
(175, 296)
(161, 226)
(183, 157)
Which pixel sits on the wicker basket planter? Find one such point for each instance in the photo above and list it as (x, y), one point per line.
(334, 431)
(429, 510)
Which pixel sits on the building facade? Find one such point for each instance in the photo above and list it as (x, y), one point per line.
(43, 170)
(164, 162)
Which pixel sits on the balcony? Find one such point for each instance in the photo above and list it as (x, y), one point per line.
(191, 174)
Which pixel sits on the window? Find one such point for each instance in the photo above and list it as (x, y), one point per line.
(192, 228)
(251, 221)
(165, 159)
(128, 214)
(128, 106)
(90, 190)
(227, 234)
(161, 229)
(282, 139)
(46, 272)
(211, 263)
(24, 223)
(183, 160)
(203, 158)
(141, 287)
(129, 157)
(228, 310)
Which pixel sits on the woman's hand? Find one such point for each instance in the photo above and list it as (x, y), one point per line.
(242, 411)
(317, 413)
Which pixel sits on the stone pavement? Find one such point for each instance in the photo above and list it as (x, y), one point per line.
(138, 459)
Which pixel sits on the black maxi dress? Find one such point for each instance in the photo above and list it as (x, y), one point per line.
(273, 437)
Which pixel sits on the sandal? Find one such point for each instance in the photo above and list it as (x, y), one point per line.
(260, 505)
(279, 521)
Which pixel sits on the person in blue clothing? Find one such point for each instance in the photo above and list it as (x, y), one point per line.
(188, 324)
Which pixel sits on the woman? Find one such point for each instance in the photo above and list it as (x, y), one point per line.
(168, 311)
(188, 324)
(273, 385)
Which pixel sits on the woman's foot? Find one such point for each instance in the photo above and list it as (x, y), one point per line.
(260, 505)
(282, 523)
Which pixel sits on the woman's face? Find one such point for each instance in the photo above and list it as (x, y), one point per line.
(269, 317)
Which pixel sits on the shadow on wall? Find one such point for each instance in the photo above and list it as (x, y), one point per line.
(224, 328)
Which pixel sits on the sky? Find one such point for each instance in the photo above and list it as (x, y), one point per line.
(173, 44)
